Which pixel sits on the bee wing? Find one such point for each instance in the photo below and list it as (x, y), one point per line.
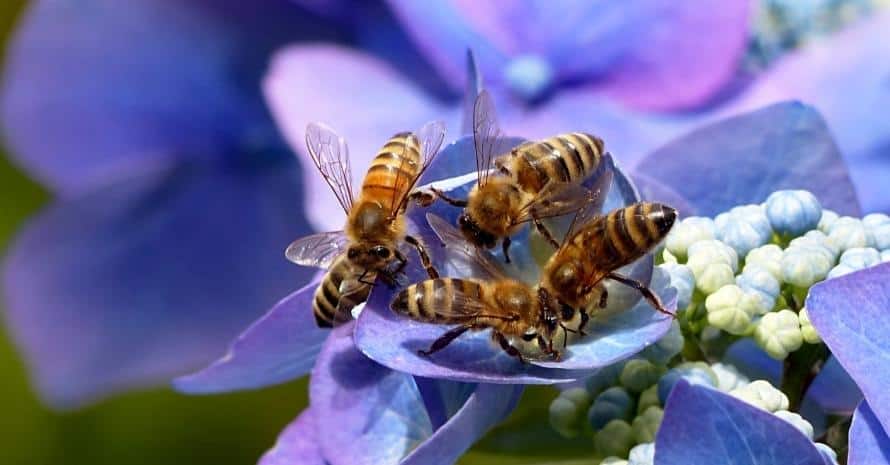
(330, 154)
(465, 251)
(486, 133)
(429, 138)
(462, 306)
(558, 199)
(318, 250)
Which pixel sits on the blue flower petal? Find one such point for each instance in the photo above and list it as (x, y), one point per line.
(850, 314)
(373, 415)
(744, 158)
(753, 362)
(280, 346)
(702, 425)
(833, 389)
(82, 106)
(658, 191)
(297, 444)
(869, 442)
(151, 277)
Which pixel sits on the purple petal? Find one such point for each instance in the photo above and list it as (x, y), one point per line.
(833, 389)
(702, 426)
(869, 442)
(362, 98)
(376, 416)
(486, 407)
(850, 314)
(753, 362)
(81, 106)
(280, 346)
(141, 280)
(297, 444)
(744, 158)
(654, 190)
(845, 78)
(646, 53)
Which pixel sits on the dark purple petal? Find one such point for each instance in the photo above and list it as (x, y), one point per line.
(297, 444)
(833, 389)
(373, 415)
(280, 346)
(850, 314)
(745, 158)
(365, 100)
(102, 88)
(869, 442)
(753, 362)
(704, 426)
(844, 77)
(147, 278)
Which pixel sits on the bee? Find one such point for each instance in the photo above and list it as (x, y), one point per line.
(559, 306)
(593, 250)
(375, 224)
(534, 181)
(526, 321)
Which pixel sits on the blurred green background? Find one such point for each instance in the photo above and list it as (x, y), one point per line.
(154, 427)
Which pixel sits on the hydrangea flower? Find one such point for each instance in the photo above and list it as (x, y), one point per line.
(174, 191)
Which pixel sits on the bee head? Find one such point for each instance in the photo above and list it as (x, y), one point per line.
(474, 233)
(369, 256)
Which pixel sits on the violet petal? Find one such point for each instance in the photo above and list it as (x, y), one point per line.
(353, 93)
(74, 118)
(834, 390)
(744, 158)
(280, 346)
(702, 425)
(297, 444)
(150, 277)
(869, 442)
(850, 314)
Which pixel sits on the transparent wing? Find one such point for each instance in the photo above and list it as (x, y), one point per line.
(330, 154)
(558, 199)
(486, 133)
(463, 306)
(463, 253)
(429, 138)
(318, 250)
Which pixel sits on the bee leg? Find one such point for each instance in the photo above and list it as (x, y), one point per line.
(584, 319)
(647, 293)
(545, 232)
(362, 279)
(449, 200)
(402, 262)
(505, 344)
(423, 199)
(444, 340)
(424, 257)
(604, 298)
(389, 278)
(505, 246)
(548, 349)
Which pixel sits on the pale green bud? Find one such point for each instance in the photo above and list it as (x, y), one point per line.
(731, 309)
(803, 266)
(728, 377)
(796, 421)
(687, 232)
(779, 333)
(713, 277)
(615, 439)
(613, 461)
(648, 398)
(646, 425)
(768, 257)
(806, 328)
(704, 253)
(639, 374)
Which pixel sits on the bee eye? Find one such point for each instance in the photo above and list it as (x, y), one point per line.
(352, 253)
(381, 252)
(463, 220)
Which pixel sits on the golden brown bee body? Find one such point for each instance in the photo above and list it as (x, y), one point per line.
(592, 252)
(375, 225)
(523, 319)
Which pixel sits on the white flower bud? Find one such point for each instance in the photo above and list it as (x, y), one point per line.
(713, 277)
(731, 309)
(642, 454)
(763, 395)
(682, 280)
(828, 219)
(741, 235)
(885, 256)
(793, 212)
(779, 333)
(796, 421)
(687, 232)
(827, 452)
(803, 266)
(704, 253)
(878, 225)
(847, 233)
(768, 257)
(761, 282)
(728, 377)
(807, 330)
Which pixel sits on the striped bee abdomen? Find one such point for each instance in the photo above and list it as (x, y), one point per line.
(392, 170)
(632, 231)
(440, 300)
(570, 157)
(329, 305)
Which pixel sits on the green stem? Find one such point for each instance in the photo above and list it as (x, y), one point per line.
(836, 436)
(799, 370)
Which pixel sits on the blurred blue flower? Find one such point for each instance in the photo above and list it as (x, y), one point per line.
(175, 193)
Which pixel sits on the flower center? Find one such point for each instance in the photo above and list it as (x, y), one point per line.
(529, 76)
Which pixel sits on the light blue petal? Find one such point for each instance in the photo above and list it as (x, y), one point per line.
(297, 444)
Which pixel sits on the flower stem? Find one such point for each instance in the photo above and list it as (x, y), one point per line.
(799, 370)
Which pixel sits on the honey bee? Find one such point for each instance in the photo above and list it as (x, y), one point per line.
(375, 224)
(525, 320)
(571, 285)
(593, 250)
(534, 181)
